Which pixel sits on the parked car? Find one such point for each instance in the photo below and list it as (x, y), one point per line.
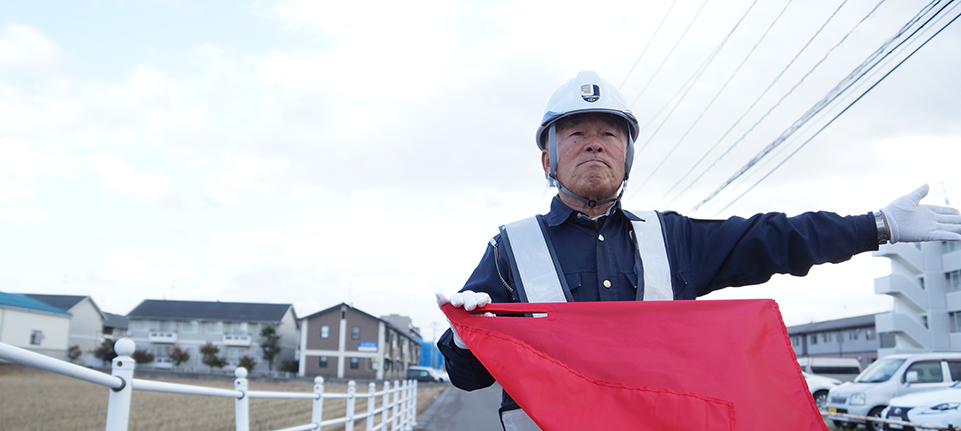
(819, 387)
(887, 378)
(844, 369)
(933, 408)
(426, 374)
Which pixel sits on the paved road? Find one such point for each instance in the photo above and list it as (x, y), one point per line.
(463, 411)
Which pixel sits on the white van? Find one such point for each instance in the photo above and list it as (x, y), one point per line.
(844, 369)
(889, 377)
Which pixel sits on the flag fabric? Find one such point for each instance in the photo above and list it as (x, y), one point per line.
(644, 365)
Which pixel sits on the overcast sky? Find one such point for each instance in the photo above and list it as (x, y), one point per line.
(323, 152)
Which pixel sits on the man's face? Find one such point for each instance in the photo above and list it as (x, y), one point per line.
(591, 150)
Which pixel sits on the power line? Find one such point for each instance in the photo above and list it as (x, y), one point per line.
(716, 95)
(852, 103)
(643, 51)
(749, 108)
(669, 54)
(697, 76)
(859, 72)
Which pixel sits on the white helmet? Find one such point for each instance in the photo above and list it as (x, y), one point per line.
(587, 93)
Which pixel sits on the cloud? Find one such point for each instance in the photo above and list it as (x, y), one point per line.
(17, 158)
(118, 175)
(22, 215)
(25, 48)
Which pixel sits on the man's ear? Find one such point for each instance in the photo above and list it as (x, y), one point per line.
(546, 161)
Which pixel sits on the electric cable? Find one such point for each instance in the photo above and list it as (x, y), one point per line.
(643, 51)
(716, 96)
(847, 107)
(669, 54)
(845, 84)
(697, 76)
(749, 108)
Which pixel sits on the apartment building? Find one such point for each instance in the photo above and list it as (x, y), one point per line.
(233, 327)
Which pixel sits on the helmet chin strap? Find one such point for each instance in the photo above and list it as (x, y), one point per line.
(552, 176)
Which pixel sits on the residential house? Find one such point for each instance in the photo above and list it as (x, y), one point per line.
(157, 326)
(34, 325)
(86, 323)
(850, 337)
(344, 342)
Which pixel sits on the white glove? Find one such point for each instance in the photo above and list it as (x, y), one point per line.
(467, 299)
(910, 222)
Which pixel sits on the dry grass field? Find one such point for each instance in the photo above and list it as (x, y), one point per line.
(38, 400)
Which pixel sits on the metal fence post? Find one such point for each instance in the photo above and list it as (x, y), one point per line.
(242, 404)
(351, 390)
(371, 399)
(414, 408)
(118, 405)
(317, 412)
(395, 409)
(385, 414)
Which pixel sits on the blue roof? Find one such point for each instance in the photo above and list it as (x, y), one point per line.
(27, 303)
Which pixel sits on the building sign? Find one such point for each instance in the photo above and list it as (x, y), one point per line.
(367, 346)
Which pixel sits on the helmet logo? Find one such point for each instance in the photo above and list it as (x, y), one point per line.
(590, 92)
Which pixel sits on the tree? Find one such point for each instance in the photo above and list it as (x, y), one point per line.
(270, 344)
(210, 358)
(248, 362)
(105, 351)
(74, 352)
(179, 356)
(142, 356)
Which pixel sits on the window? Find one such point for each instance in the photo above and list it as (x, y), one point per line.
(814, 339)
(355, 333)
(955, 368)
(928, 372)
(322, 362)
(354, 363)
(953, 280)
(854, 334)
(141, 325)
(825, 336)
(189, 326)
(388, 337)
(215, 327)
(325, 331)
(162, 325)
(36, 337)
(955, 317)
(950, 246)
(869, 334)
(237, 328)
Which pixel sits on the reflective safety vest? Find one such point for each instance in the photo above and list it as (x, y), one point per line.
(539, 277)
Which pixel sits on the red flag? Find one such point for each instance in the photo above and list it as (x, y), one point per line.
(644, 365)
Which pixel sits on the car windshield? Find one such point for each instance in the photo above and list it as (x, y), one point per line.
(879, 371)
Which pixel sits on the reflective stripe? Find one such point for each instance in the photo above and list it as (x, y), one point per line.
(534, 263)
(653, 251)
(518, 420)
(539, 279)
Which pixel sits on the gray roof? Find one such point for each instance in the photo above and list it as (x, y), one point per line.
(114, 321)
(63, 302)
(205, 310)
(833, 325)
(27, 303)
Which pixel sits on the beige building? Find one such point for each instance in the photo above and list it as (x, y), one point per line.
(86, 323)
(33, 325)
(344, 342)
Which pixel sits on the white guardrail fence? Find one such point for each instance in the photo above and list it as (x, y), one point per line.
(398, 408)
(899, 424)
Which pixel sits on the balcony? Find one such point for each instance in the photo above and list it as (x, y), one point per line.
(905, 326)
(902, 288)
(906, 253)
(241, 340)
(162, 337)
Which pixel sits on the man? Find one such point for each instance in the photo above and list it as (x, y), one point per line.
(587, 248)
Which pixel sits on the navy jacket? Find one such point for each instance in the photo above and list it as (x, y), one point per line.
(705, 255)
